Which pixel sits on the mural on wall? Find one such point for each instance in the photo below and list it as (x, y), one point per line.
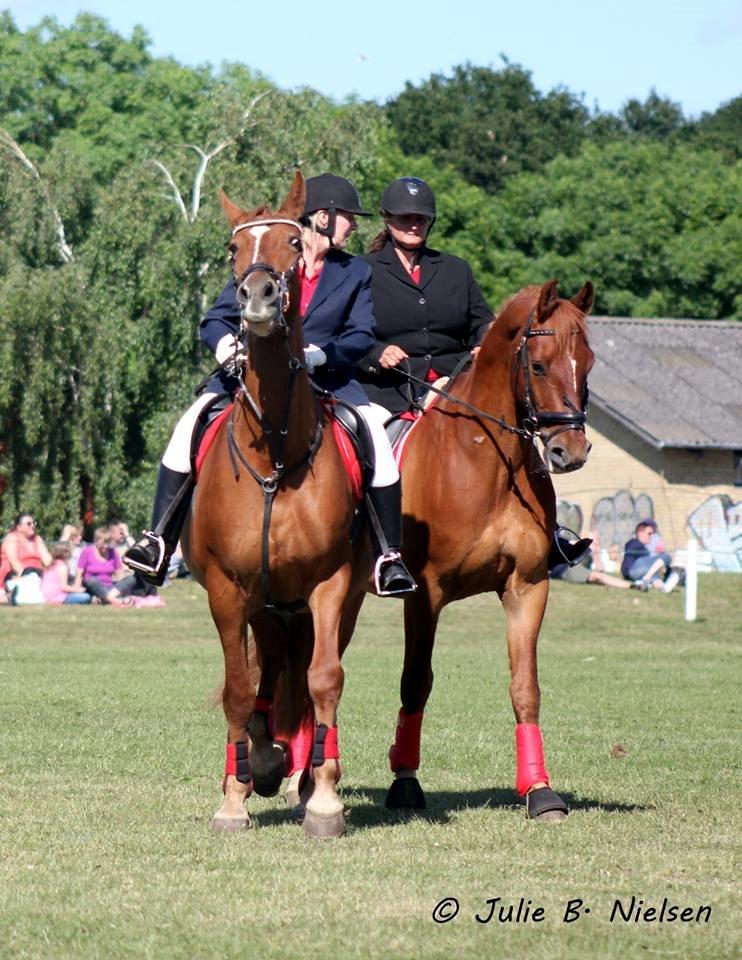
(717, 523)
(615, 518)
(569, 515)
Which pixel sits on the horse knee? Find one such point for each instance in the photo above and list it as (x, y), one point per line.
(326, 683)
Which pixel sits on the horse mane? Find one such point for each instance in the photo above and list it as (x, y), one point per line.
(565, 319)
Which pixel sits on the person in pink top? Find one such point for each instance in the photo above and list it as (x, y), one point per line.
(97, 566)
(55, 581)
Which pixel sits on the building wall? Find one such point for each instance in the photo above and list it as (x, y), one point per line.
(679, 482)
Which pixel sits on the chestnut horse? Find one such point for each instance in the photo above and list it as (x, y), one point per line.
(269, 528)
(483, 519)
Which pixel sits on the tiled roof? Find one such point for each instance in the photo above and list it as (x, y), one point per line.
(676, 383)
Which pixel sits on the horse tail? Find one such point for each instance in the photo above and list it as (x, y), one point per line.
(292, 690)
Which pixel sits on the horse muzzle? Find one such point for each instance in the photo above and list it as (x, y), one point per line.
(566, 450)
(259, 298)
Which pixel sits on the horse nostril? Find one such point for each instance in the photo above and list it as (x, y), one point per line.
(269, 290)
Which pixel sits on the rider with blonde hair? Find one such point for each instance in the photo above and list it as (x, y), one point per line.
(338, 324)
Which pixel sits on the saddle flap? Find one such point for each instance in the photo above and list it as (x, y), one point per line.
(354, 442)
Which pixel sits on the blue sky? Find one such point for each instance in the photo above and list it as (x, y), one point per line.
(688, 50)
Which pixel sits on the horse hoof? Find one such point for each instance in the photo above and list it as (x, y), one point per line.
(319, 827)
(267, 780)
(405, 794)
(230, 824)
(546, 806)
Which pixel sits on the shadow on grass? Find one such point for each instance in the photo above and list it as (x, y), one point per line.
(366, 808)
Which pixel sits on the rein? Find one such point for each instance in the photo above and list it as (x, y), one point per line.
(535, 419)
(269, 484)
(276, 445)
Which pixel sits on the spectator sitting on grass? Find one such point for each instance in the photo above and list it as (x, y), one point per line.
(55, 582)
(644, 568)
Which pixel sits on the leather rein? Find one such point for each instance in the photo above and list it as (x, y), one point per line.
(535, 419)
(270, 483)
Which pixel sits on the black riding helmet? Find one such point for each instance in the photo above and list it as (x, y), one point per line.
(408, 195)
(328, 192)
(331, 193)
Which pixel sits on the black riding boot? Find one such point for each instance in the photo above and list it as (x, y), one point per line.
(150, 556)
(391, 575)
(567, 551)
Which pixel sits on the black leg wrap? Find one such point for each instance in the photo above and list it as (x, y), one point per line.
(318, 750)
(405, 794)
(543, 801)
(242, 762)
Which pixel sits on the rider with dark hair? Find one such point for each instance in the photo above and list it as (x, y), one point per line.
(338, 324)
(430, 313)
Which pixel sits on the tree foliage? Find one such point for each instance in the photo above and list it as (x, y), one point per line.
(118, 157)
(658, 230)
(488, 124)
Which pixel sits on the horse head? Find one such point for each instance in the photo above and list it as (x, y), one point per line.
(263, 252)
(554, 362)
(550, 359)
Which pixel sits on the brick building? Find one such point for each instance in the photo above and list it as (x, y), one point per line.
(665, 421)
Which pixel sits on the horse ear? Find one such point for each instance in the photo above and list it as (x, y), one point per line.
(231, 210)
(293, 206)
(548, 300)
(585, 298)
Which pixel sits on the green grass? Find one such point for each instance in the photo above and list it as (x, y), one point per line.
(111, 753)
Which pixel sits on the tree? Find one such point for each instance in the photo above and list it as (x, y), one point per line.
(488, 124)
(721, 130)
(657, 229)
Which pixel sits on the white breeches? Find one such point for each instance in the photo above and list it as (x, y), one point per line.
(386, 471)
(177, 456)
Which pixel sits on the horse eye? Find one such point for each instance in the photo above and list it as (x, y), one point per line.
(232, 249)
(538, 368)
(296, 243)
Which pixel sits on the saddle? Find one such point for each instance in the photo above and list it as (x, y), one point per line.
(349, 430)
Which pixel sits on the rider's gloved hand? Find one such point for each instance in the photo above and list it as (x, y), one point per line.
(229, 348)
(314, 357)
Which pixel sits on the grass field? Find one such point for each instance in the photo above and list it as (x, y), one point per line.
(111, 753)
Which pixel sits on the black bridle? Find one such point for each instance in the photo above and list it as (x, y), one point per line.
(536, 419)
(270, 483)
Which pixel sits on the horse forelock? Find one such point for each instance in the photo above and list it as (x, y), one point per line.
(565, 319)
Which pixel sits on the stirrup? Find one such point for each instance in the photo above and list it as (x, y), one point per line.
(562, 550)
(400, 582)
(151, 563)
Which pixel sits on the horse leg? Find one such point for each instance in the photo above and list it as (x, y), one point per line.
(229, 612)
(300, 785)
(324, 811)
(420, 622)
(524, 608)
(266, 755)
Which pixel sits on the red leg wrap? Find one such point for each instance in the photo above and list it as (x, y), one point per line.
(404, 753)
(325, 745)
(300, 746)
(237, 763)
(529, 757)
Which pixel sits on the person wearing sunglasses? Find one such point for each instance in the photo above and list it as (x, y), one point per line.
(23, 550)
